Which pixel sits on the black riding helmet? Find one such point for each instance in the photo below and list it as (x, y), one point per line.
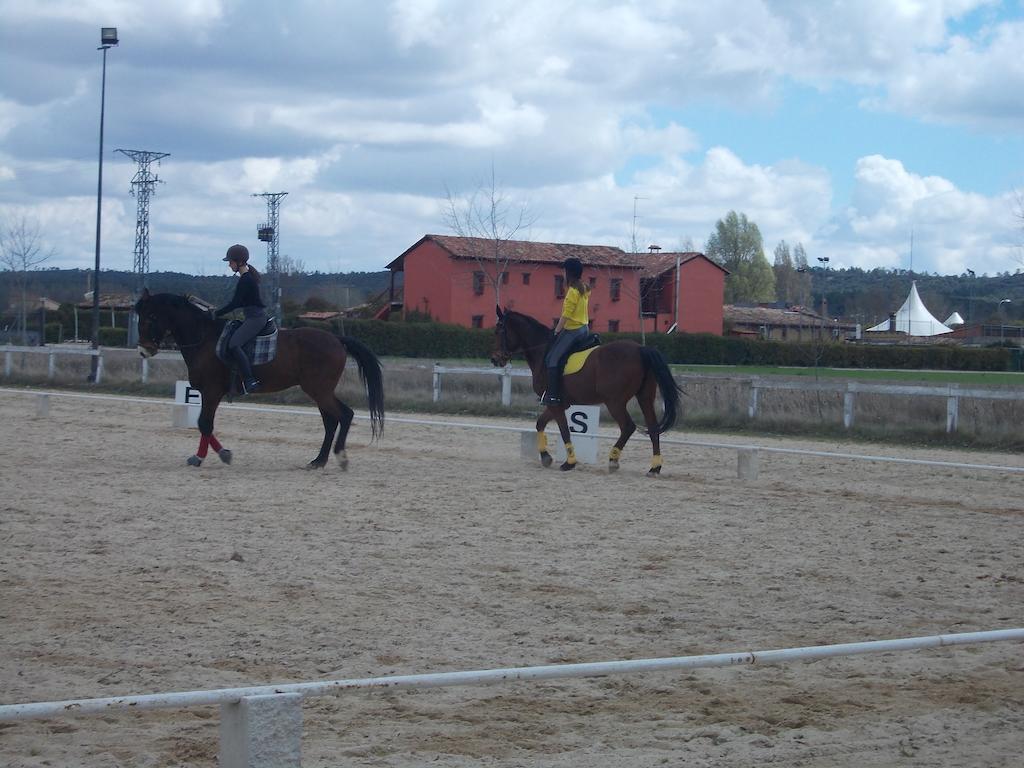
(238, 254)
(573, 268)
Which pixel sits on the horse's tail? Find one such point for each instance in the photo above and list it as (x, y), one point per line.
(372, 378)
(655, 363)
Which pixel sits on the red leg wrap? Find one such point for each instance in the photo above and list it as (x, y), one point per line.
(215, 444)
(204, 443)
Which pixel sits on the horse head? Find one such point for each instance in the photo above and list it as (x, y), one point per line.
(515, 332)
(163, 313)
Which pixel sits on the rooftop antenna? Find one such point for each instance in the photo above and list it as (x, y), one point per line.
(269, 233)
(143, 186)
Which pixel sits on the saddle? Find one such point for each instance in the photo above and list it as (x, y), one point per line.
(578, 353)
(261, 349)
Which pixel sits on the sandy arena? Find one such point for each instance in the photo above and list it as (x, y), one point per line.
(123, 571)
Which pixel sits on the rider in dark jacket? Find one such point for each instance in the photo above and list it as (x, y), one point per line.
(247, 298)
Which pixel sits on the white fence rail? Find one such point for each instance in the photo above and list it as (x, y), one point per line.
(953, 393)
(248, 713)
(53, 353)
(504, 375)
(849, 390)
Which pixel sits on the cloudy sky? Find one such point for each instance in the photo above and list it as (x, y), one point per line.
(853, 127)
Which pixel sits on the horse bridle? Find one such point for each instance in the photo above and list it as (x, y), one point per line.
(500, 325)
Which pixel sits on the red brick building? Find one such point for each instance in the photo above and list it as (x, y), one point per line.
(452, 280)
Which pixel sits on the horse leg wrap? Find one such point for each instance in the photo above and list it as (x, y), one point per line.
(656, 461)
(614, 454)
(215, 444)
(542, 442)
(204, 445)
(570, 454)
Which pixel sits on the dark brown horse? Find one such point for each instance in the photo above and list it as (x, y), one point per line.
(307, 357)
(612, 375)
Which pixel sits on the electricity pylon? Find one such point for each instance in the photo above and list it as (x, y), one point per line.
(143, 185)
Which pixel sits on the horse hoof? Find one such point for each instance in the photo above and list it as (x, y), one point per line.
(545, 459)
(567, 466)
(342, 459)
(225, 455)
(193, 461)
(613, 466)
(654, 472)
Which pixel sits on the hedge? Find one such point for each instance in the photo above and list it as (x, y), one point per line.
(439, 341)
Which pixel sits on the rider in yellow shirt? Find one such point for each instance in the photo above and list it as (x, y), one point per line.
(573, 325)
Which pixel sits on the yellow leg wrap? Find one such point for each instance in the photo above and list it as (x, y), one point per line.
(614, 454)
(542, 442)
(570, 454)
(656, 461)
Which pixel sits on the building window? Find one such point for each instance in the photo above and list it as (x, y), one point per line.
(613, 326)
(478, 321)
(478, 283)
(615, 288)
(559, 286)
(504, 278)
(593, 282)
(526, 278)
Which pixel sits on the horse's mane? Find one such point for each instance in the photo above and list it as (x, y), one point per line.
(192, 305)
(535, 325)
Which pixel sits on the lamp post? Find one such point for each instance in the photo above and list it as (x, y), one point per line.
(970, 300)
(108, 39)
(1002, 322)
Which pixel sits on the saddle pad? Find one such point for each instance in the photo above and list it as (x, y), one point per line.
(260, 350)
(576, 361)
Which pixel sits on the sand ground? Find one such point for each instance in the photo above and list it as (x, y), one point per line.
(124, 571)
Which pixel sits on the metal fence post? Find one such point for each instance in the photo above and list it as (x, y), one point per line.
(952, 409)
(7, 363)
(145, 370)
(506, 385)
(51, 365)
(848, 397)
(437, 383)
(752, 410)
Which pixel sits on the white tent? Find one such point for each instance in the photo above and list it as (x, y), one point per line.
(954, 319)
(913, 318)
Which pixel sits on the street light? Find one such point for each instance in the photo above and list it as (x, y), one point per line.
(1002, 321)
(108, 39)
(970, 300)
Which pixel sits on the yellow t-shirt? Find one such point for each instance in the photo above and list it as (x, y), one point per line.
(574, 308)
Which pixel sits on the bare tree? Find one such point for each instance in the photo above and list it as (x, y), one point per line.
(21, 251)
(492, 220)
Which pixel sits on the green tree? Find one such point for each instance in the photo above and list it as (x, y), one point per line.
(792, 280)
(737, 245)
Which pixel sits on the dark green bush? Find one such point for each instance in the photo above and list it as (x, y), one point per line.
(113, 337)
(440, 341)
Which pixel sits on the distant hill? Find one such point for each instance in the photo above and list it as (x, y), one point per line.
(70, 285)
(855, 295)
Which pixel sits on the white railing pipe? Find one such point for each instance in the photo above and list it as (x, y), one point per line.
(11, 712)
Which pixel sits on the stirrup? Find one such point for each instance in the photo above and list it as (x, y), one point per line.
(248, 387)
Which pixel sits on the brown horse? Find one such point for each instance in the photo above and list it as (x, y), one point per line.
(310, 358)
(613, 374)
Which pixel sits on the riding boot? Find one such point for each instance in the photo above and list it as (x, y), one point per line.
(249, 380)
(553, 394)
